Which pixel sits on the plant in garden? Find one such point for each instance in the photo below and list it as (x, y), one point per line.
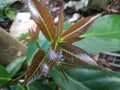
(61, 48)
(58, 52)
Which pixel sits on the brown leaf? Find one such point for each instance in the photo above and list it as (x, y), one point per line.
(70, 65)
(54, 55)
(43, 18)
(77, 55)
(37, 61)
(60, 23)
(34, 33)
(71, 40)
(79, 28)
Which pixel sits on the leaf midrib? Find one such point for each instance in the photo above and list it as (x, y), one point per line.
(73, 80)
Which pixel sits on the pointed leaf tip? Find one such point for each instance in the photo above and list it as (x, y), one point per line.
(79, 28)
(37, 62)
(77, 55)
(43, 19)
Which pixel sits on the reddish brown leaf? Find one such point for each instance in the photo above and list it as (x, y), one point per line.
(60, 23)
(43, 18)
(71, 40)
(79, 28)
(34, 33)
(37, 61)
(54, 56)
(77, 55)
(70, 65)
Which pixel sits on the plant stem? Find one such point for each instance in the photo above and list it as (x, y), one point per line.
(36, 42)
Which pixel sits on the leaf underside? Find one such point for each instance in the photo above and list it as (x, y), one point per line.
(77, 55)
(35, 66)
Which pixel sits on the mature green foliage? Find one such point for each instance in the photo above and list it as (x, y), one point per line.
(86, 78)
(104, 34)
(4, 76)
(15, 66)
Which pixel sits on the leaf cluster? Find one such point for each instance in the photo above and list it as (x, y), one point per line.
(61, 48)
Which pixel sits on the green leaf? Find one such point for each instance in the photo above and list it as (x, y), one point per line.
(4, 76)
(43, 42)
(86, 78)
(15, 66)
(37, 85)
(17, 87)
(10, 14)
(104, 35)
(24, 35)
(105, 27)
(32, 48)
(14, 87)
(96, 44)
(43, 19)
(67, 25)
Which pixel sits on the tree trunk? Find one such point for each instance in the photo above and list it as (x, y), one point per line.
(10, 48)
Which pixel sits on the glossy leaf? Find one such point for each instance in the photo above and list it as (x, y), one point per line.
(37, 85)
(77, 55)
(86, 78)
(37, 62)
(43, 18)
(96, 44)
(54, 55)
(79, 28)
(15, 66)
(104, 35)
(105, 27)
(4, 76)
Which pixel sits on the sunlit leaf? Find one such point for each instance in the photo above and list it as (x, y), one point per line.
(43, 18)
(86, 78)
(97, 44)
(79, 28)
(105, 27)
(37, 62)
(32, 48)
(4, 76)
(103, 35)
(77, 55)
(15, 66)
